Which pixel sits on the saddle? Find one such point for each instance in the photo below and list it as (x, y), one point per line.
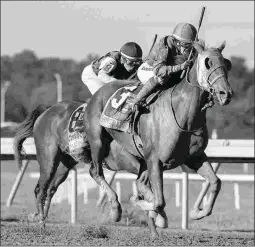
(118, 112)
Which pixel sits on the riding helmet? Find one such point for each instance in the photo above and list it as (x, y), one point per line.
(132, 51)
(185, 32)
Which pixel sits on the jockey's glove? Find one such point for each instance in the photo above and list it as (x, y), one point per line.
(186, 65)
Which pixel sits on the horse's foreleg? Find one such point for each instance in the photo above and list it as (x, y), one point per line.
(144, 188)
(96, 171)
(155, 170)
(205, 170)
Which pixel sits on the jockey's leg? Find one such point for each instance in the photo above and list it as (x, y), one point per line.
(146, 90)
(91, 80)
(204, 168)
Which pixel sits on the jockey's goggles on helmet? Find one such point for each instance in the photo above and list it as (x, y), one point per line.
(185, 45)
(132, 62)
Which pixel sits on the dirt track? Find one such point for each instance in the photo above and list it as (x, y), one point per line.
(64, 234)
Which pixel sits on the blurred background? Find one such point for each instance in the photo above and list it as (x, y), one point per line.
(45, 46)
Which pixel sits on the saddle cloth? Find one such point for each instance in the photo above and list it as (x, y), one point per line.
(76, 135)
(117, 112)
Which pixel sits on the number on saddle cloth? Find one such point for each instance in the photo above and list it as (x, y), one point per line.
(118, 109)
(76, 134)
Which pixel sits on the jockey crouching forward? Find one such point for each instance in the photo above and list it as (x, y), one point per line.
(114, 65)
(157, 69)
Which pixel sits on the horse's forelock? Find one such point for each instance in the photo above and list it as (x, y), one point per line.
(199, 46)
(201, 43)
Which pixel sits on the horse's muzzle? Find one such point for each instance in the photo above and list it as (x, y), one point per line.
(224, 97)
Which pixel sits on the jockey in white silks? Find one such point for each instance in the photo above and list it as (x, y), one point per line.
(114, 65)
(158, 67)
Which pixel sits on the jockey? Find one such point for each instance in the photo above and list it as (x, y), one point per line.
(114, 65)
(158, 69)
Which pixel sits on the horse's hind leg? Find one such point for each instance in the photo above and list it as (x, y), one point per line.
(99, 151)
(33, 216)
(48, 158)
(203, 167)
(59, 177)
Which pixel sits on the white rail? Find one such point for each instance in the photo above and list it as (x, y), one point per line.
(219, 150)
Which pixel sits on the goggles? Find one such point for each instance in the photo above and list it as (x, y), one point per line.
(183, 44)
(132, 62)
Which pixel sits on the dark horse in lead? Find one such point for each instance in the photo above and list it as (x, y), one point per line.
(173, 132)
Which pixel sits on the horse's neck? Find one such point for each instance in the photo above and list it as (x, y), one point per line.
(187, 101)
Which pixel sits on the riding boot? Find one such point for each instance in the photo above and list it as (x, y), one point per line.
(146, 90)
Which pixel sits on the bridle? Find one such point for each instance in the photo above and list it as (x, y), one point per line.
(209, 89)
(207, 74)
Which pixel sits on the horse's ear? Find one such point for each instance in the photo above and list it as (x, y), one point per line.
(228, 64)
(198, 47)
(222, 46)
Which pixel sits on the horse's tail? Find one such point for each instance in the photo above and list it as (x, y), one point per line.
(24, 130)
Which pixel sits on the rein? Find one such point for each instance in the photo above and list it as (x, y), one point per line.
(187, 80)
(187, 131)
(211, 91)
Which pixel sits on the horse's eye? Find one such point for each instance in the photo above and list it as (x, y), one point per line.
(207, 64)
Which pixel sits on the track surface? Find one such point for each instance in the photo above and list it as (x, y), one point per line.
(63, 234)
(225, 227)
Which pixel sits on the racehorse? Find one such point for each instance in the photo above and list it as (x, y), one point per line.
(48, 126)
(173, 129)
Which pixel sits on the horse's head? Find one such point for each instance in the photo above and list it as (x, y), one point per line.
(212, 72)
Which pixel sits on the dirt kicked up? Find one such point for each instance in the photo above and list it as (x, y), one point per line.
(105, 235)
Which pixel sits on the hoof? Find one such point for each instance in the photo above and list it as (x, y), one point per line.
(153, 214)
(161, 220)
(134, 199)
(116, 213)
(42, 224)
(141, 204)
(197, 214)
(154, 235)
(33, 217)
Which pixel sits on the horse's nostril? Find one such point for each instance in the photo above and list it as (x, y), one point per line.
(222, 92)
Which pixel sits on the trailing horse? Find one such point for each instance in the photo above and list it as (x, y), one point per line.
(172, 131)
(60, 144)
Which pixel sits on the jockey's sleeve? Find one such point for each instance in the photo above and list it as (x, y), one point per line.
(160, 67)
(162, 70)
(107, 66)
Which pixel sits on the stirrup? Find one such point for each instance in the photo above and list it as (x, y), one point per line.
(139, 106)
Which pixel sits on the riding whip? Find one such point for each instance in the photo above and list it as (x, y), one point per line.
(199, 25)
(153, 43)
